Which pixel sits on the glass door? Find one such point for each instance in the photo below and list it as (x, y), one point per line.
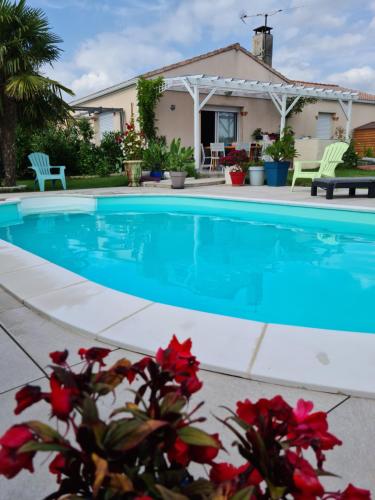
(226, 126)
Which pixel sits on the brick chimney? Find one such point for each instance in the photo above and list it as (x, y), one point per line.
(263, 44)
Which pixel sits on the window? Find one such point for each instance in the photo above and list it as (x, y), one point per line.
(226, 127)
(324, 126)
(105, 123)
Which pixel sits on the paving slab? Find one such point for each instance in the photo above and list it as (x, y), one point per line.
(221, 343)
(16, 367)
(320, 359)
(86, 306)
(354, 423)
(27, 283)
(40, 336)
(7, 301)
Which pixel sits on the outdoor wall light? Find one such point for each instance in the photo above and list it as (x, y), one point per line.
(228, 93)
(172, 107)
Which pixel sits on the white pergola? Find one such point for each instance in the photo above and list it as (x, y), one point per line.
(277, 92)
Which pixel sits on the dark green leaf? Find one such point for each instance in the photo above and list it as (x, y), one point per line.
(167, 494)
(197, 437)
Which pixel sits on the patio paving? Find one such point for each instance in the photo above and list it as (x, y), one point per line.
(26, 339)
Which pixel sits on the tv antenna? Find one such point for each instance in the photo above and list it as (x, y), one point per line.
(266, 15)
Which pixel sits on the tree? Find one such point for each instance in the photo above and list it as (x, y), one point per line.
(27, 97)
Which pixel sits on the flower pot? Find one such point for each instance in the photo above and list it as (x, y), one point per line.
(156, 174)
(238, 178)
(178, 180)
(256, 176)
(227, 178)
(276, 172)
(134, 172)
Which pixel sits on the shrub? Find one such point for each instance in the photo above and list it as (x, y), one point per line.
(350, 157)
(145, 448)
(111, 151)
(155, 156)
(236, 157)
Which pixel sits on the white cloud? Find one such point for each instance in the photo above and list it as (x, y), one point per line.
(362, 78)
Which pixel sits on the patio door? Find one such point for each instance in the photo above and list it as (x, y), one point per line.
(219, 126)
(226, 126)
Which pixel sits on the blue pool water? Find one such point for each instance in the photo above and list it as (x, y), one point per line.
(272, 263)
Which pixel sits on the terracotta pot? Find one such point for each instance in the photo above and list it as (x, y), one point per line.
(238, 178)
(134, 172)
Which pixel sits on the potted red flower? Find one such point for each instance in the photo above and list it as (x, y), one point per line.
(237, 161)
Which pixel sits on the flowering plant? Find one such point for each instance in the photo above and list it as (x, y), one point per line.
(236, 157)
(132, 142)
(143, 451)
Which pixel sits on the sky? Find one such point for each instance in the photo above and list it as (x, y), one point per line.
(109, 41)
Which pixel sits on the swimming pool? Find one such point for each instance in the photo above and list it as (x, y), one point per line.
(265, 262)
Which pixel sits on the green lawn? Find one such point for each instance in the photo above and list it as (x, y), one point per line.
(340, 172)
(84, 183)
(120, 180)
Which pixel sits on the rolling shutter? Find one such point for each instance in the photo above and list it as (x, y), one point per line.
(105, 123)
(324, 126)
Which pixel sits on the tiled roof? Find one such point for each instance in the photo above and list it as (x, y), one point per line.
(367, 126)
(363, 96)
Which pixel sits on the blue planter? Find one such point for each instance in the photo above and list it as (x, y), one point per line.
(156, 174)
(276, 172)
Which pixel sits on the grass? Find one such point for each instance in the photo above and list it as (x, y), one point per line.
(340, 172)
(120, 180)
(82, 183)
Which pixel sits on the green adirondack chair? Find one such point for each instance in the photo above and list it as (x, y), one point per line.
(332, 156)
(42, 168)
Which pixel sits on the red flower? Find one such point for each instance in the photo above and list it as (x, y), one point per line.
(12, 462)
(61, 399)
(94, 354)
(304, 476)
(220, 473)
(26, 397)
(59, 357)
(183, 454)
(263, 410)
(205, 454)
(353, 493)
(311, 429)
(179, 452)
(57, 466)
(182, 365)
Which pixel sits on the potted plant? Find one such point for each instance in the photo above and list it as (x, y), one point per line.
(282, 151)
(236, 163)
(256, 173)
(132, 144)
(257, 135)
(179, 159)
(155, 159)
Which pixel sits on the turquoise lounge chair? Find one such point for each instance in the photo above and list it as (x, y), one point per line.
(42, 168)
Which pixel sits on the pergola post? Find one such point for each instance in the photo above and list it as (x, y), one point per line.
(348, 121)
(348, 115)
(283, 115)
(197, 128)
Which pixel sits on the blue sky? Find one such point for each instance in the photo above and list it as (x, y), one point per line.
(108, 41)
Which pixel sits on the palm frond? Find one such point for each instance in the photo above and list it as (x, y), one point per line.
(27, 87)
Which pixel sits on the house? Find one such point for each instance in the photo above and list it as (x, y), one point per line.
(245, 98)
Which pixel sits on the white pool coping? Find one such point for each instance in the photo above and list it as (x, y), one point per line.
(333, 361)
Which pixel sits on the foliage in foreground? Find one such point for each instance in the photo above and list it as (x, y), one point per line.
(145, 448)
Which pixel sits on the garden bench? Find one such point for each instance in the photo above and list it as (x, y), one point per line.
(352, 183)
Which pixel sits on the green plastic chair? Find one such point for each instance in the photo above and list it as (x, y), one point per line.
(332, 156)
(42, 168)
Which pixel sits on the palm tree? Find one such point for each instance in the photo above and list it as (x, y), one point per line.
(26, 95)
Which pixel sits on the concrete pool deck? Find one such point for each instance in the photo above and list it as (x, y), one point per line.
(26, 338)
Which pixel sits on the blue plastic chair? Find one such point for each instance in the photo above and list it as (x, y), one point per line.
(42, 168)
